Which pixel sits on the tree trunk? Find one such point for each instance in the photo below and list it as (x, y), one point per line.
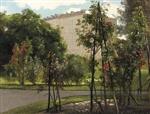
(140, 82)
(148, 58)
(124, 93)
(104, 85)
(49, 88)
(54, 99)
(58, 95)
(129, 93)
(116, 103)
(92, 78)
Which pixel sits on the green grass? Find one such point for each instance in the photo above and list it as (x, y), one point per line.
(76, 88)
(25, 87)
(144, 79)
(36, 87)
(40, 106)
(8, 81)
(13, 84)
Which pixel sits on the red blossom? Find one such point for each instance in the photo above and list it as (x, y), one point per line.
(106, 66)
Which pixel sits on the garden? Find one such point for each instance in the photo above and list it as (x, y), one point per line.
(113, 79)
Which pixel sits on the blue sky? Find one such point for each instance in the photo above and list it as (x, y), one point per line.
(50, 7)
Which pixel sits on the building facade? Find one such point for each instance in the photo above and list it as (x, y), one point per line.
(67, 23)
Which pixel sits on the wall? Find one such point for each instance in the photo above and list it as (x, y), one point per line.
(68, 31)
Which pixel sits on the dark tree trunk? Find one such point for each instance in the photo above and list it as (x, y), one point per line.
(124, 93)
(49, 88)
(101, 31)
(58, 95)
(105, 95)
(92, 78)
(129, 94)
(54, 99)
(148, 57)
(104, 85)
(22, 75)
(140, 82)
(49, 95)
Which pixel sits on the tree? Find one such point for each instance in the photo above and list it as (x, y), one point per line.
(50, 53)
(130, 7)
(93, 33)
(129, 55)
(75, 68)
(125, 65)
(5, 43)
(34, 68)
(19, 60)
(27, 25)
(136, 32)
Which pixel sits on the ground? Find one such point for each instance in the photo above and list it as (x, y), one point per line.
(10, 99)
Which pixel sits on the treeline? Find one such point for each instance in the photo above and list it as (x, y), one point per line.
(28, 42)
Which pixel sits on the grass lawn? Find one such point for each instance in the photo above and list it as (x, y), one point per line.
(40, 106)
(44, 87)
(13, 84)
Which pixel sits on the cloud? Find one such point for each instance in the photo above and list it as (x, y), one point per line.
(3, 8)
(47, 4)
(73, 9)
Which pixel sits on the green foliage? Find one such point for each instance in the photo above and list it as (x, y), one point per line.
(20, 59)
(5, 43)
(88, 25)
(44, 40)
(136, 28)
(33, 70)
(129, 53)
(75, 68)
(29, 25)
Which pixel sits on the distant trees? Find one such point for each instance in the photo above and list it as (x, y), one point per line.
(75, 68)
(24, 26)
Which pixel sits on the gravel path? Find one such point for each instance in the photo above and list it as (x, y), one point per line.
(10, 99)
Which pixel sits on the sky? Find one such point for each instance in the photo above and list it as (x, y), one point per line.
(47, 8)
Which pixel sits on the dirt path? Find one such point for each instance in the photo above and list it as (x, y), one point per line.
(10, 99)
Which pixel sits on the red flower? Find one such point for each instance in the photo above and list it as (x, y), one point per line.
(106, 66)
